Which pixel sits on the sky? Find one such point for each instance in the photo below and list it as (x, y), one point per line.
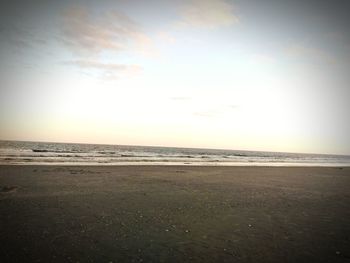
(268, 75)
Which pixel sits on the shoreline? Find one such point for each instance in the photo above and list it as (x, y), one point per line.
(309, 165)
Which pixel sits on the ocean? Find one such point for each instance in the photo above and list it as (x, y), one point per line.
(44, 153)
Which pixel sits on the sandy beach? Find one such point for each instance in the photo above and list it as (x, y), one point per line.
(174, 214)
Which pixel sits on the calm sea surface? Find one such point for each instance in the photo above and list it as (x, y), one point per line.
(15, 152)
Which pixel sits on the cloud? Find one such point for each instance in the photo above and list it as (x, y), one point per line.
(233, 106)
(314, 54)
(207, 14)
(113, 31)
(89, 35)
(107, 71)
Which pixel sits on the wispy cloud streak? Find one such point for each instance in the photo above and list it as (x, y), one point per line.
(90, 35)
(207, 14)
(107, 70)
(113, 31)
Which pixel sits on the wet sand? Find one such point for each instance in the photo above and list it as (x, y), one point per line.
(174, 214)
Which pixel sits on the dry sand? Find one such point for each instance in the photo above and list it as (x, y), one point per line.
(174, 214)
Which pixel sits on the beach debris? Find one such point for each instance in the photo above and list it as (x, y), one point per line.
(250, 225)
(187, 231)
(8, 189)
(337, 252)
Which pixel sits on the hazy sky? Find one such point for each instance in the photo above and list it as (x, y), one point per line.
(242, 74)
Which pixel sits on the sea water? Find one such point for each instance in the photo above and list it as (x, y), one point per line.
(18, 152)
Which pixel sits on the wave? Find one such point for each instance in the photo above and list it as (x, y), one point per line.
(240, 155)
(55, 151)
(129, 155)
(40, 151)
(35, 152)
